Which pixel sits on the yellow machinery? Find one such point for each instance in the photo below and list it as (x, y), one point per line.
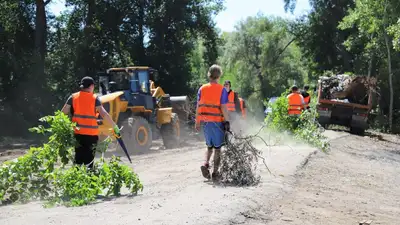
(141, 109)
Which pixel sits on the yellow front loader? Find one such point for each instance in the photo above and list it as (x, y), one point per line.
(141, 109)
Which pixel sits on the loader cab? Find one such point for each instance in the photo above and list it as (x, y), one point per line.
(133, 81)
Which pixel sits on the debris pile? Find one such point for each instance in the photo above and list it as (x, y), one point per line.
(334, 84)
(239, 161)
(346, 88)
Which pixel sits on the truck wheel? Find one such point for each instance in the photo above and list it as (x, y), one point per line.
(137, 135)
(357, 130)
(170, 132)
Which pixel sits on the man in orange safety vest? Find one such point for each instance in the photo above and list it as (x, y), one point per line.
(296, 102)
(83, 106)
(212, 115)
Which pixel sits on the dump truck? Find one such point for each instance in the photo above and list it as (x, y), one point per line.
(346, 100)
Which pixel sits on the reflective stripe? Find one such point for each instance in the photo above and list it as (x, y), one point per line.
(87, 126)
(211, 114)
(209, 105)
(84, 116)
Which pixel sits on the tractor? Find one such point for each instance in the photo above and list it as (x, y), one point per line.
(143, 111)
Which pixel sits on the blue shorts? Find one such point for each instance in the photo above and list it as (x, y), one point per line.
(214, 134)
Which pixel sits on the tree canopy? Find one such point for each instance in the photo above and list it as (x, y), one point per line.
(44, 56)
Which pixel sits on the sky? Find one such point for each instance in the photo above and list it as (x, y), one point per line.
(235, 11)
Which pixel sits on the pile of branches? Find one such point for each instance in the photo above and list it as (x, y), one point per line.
(354, 89)
(240, 160)
(334, 84)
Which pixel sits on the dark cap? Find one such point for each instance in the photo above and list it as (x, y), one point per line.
(86, 82)
(294, 88)
(227, 82)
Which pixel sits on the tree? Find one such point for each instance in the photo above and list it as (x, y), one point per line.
(263, 58)
(320, 39)
(373, 19)
(46, 56)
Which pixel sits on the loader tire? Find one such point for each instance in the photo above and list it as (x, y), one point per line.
(137, 135)
(170, 132)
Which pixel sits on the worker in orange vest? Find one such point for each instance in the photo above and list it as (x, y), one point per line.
(296, 102)
(212, 116)
(243, 108)
(233, 102)
(306, 96)
(83, 106)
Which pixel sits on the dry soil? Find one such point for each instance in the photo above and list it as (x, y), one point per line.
(356, 180)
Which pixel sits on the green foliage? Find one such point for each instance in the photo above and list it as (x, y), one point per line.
(261, 58)
(43, 59)
(394, 30)
(303, 128)
(39, 174)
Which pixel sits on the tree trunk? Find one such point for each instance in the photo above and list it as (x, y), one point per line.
(371, 60)
(370, 64)
(141, 22)
(390, 81)
(88, 54)
(40, 38)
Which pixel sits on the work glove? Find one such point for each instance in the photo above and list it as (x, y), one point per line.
(117, 131)
(227, 126)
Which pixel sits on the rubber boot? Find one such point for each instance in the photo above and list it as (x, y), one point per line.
(205, 171)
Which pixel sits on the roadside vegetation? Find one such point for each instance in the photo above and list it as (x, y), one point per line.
(46, 172)
(305, 127)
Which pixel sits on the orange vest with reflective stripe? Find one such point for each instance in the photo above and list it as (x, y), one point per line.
(295, 106)
(231, 102)
(209, 105)
(241, 107)
(84, 105)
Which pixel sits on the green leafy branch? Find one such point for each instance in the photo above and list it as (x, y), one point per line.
(42, 172)
(307, 128)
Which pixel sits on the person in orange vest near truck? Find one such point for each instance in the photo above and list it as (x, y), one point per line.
(212, 115)
(306, 96)
(83, 106)
(243, 108)
(296, 106)
(296, 102)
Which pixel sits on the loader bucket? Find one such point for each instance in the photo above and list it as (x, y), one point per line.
(181, 106)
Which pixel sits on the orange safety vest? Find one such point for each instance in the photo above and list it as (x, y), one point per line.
(231, 102)
(241, 107)
(209, 105)
(295, 106)
(84, 105)
(306, 100)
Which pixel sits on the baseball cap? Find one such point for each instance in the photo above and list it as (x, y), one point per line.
(86, 82)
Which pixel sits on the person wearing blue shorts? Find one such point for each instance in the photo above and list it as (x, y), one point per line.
(212, 117)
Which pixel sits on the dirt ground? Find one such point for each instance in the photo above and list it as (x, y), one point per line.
(356, 180)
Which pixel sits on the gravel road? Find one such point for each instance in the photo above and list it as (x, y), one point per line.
(357, 179)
